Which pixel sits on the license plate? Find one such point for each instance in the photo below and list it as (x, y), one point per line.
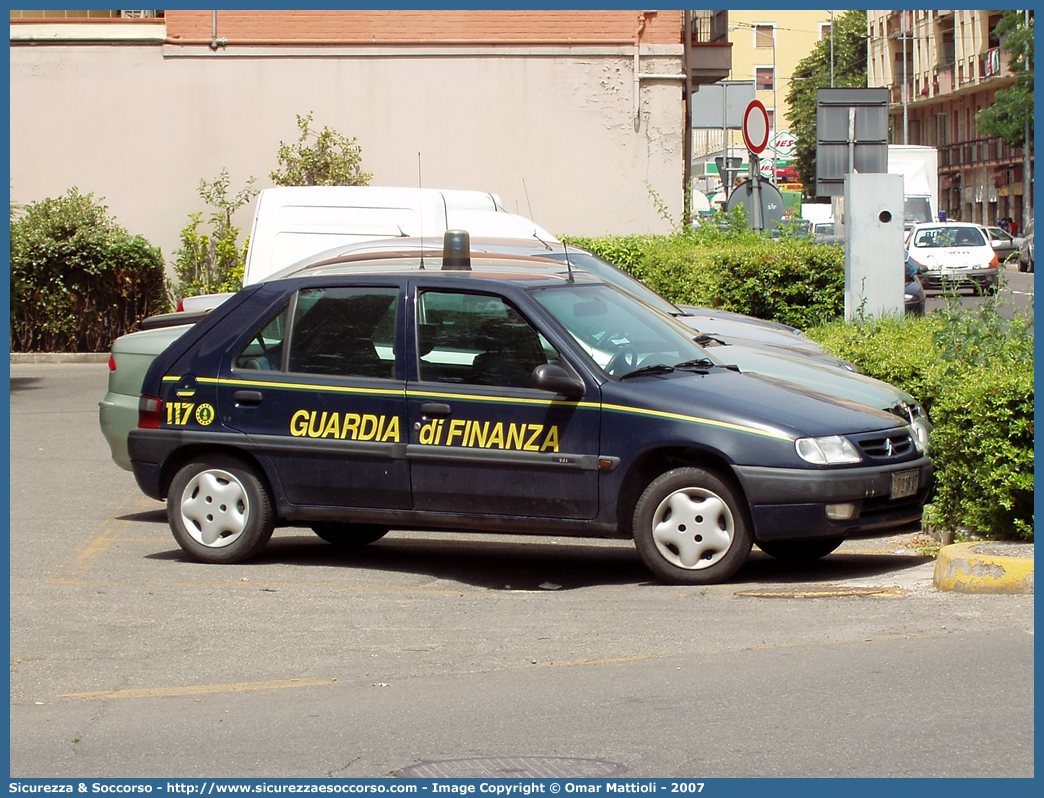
(905, 483)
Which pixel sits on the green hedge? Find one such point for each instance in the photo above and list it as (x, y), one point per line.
(982, 449)
(972, 369)
(78, 280)
(791, 280)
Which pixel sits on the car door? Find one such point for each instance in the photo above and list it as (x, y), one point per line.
(482, 440)
(319, 388)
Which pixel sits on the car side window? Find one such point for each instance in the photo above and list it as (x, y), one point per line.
(344, 331)
(264, 351)
(477, 339)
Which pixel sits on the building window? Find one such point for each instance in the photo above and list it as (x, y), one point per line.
(75, 16)
(764, 78)
(824, 31)
(764, 35)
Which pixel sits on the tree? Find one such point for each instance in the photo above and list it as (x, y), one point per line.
(1006, 118)
(212, 263)
(813, 73)
(332, 159)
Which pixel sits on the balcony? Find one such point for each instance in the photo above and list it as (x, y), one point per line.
(978, 152)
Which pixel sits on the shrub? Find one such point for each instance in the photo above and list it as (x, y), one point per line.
(331, 160)
(982, 449)
(78, 280)
(790, 281)
(972, 368)
(212, 263)
(724, 264)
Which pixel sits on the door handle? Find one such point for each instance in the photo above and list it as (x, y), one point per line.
(435, 410)
(248, 398)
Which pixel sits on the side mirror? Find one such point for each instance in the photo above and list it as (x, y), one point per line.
(557, 380)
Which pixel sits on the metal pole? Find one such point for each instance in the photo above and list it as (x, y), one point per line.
(831, 48)
(725, 139)
(906, 122)
(755, 176)
(775, 110)
(687, 118)
(1027, 194)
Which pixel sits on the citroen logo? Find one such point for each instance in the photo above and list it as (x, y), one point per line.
(891, 449)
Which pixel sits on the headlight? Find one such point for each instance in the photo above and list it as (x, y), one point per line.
(922, 429)
(831, 450)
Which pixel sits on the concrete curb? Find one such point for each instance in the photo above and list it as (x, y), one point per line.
(985, 567)
(18, 358)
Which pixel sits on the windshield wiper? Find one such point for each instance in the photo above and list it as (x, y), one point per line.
(655, 368)
(700, 364)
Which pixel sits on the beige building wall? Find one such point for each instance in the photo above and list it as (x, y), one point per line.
(551, 129)
(795, 34)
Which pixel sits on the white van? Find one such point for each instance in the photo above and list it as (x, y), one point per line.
(291, 223)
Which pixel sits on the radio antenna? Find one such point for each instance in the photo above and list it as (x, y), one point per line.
(536, 235)
(420, 192)
(569, 266)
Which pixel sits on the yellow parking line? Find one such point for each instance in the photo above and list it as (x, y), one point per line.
(73, 571)
(202, 689)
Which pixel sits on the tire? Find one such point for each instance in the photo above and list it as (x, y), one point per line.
(349, 535)
(692, 527)
(800, 550)
(220, 510)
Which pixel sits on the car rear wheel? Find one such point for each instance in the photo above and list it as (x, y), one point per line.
(220, 510)
(349, 535)
(800, 550)
(691, 527)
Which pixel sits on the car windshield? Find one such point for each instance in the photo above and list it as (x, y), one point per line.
(620, 333)
(950, 236)
(916, 210)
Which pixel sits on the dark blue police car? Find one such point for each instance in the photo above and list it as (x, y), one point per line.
(501, 395)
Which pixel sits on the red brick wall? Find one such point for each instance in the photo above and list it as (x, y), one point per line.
(426, 27)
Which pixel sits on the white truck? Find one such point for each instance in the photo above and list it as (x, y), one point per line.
(919, 167)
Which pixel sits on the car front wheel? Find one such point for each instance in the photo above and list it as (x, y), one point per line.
(220, 510)
(691, 527)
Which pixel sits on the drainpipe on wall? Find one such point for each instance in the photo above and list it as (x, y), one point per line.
(687, 116)
(637, 66)
(215, 42)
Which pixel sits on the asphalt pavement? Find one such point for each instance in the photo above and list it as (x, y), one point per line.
(468, 651)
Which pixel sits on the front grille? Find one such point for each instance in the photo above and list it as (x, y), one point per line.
(888, 446)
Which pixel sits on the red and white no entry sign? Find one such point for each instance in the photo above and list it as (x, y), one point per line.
(755, 127)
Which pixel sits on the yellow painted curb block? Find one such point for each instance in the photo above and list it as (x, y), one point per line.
(962, 569)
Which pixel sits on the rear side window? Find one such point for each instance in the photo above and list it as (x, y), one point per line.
(264, 351)
(345, 331)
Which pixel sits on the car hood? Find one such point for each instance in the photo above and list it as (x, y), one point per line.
(811, 376)
(765, 406)
(954, 258)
